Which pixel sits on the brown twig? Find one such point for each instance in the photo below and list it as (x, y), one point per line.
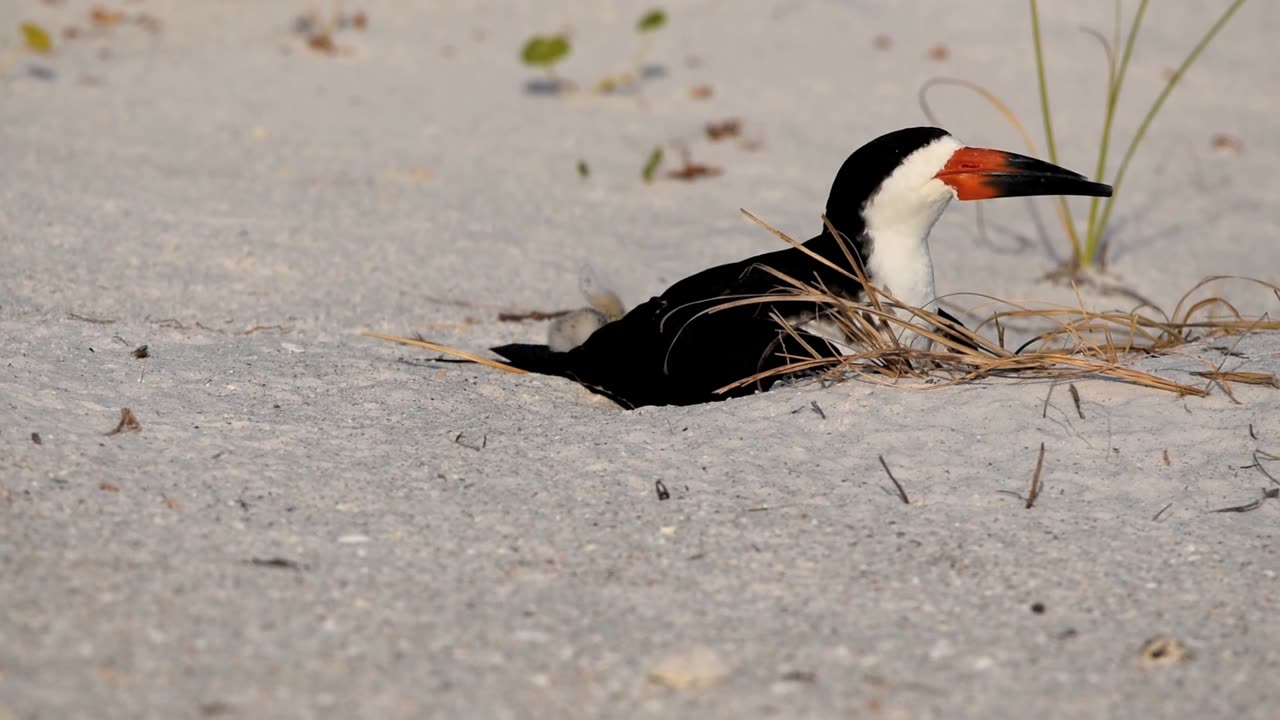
(901, 492)
(1035, 480)
(1258, 456)
(282, 329)
(531, 315)
(1267, 494)
(1075, 398)
(84, 318)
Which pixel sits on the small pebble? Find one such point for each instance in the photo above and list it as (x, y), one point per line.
(692, 668)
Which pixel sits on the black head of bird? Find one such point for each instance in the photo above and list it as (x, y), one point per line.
(917, 171)
(890, 192)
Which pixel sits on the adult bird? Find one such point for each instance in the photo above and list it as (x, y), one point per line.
(884, 201)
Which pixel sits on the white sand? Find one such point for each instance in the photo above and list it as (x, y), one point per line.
(245, 207)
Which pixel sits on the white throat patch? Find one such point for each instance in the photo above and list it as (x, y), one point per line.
(899, 217)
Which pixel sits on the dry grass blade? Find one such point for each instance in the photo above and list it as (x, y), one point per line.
(1239, 376)
(1178, 312)
(986, 94)
(1034, 492)
(847, 249)
(479, 359)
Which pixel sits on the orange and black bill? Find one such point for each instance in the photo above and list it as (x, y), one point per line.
(980, 173)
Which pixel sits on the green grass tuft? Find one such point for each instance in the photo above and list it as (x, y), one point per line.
(1089, 250)
(1084, 258)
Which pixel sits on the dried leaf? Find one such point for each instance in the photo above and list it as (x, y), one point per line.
(693, 171)
(105, 17)
(322, 43)
(724, 129)
(1224, 142)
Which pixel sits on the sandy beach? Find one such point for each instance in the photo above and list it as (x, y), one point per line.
(314, 523)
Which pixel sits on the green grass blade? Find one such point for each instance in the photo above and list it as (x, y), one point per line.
(1113, 93)
(1115, 27)
(1044, 86)
(1155, 109)
(1063, 209)
(1093, 230)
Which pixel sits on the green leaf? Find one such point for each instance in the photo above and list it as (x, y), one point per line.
(651, 165)
(652, 20)
(545, 50)
(36, 39)
(583, 170)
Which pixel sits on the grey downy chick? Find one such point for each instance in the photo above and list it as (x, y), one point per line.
(573, 328)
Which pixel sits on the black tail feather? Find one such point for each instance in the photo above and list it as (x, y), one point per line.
(534, 358)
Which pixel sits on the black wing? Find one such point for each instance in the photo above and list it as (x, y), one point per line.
(677, 349)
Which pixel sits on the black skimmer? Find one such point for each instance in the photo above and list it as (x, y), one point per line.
(884, 201)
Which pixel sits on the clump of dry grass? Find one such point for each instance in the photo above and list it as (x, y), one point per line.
(1077, 342)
